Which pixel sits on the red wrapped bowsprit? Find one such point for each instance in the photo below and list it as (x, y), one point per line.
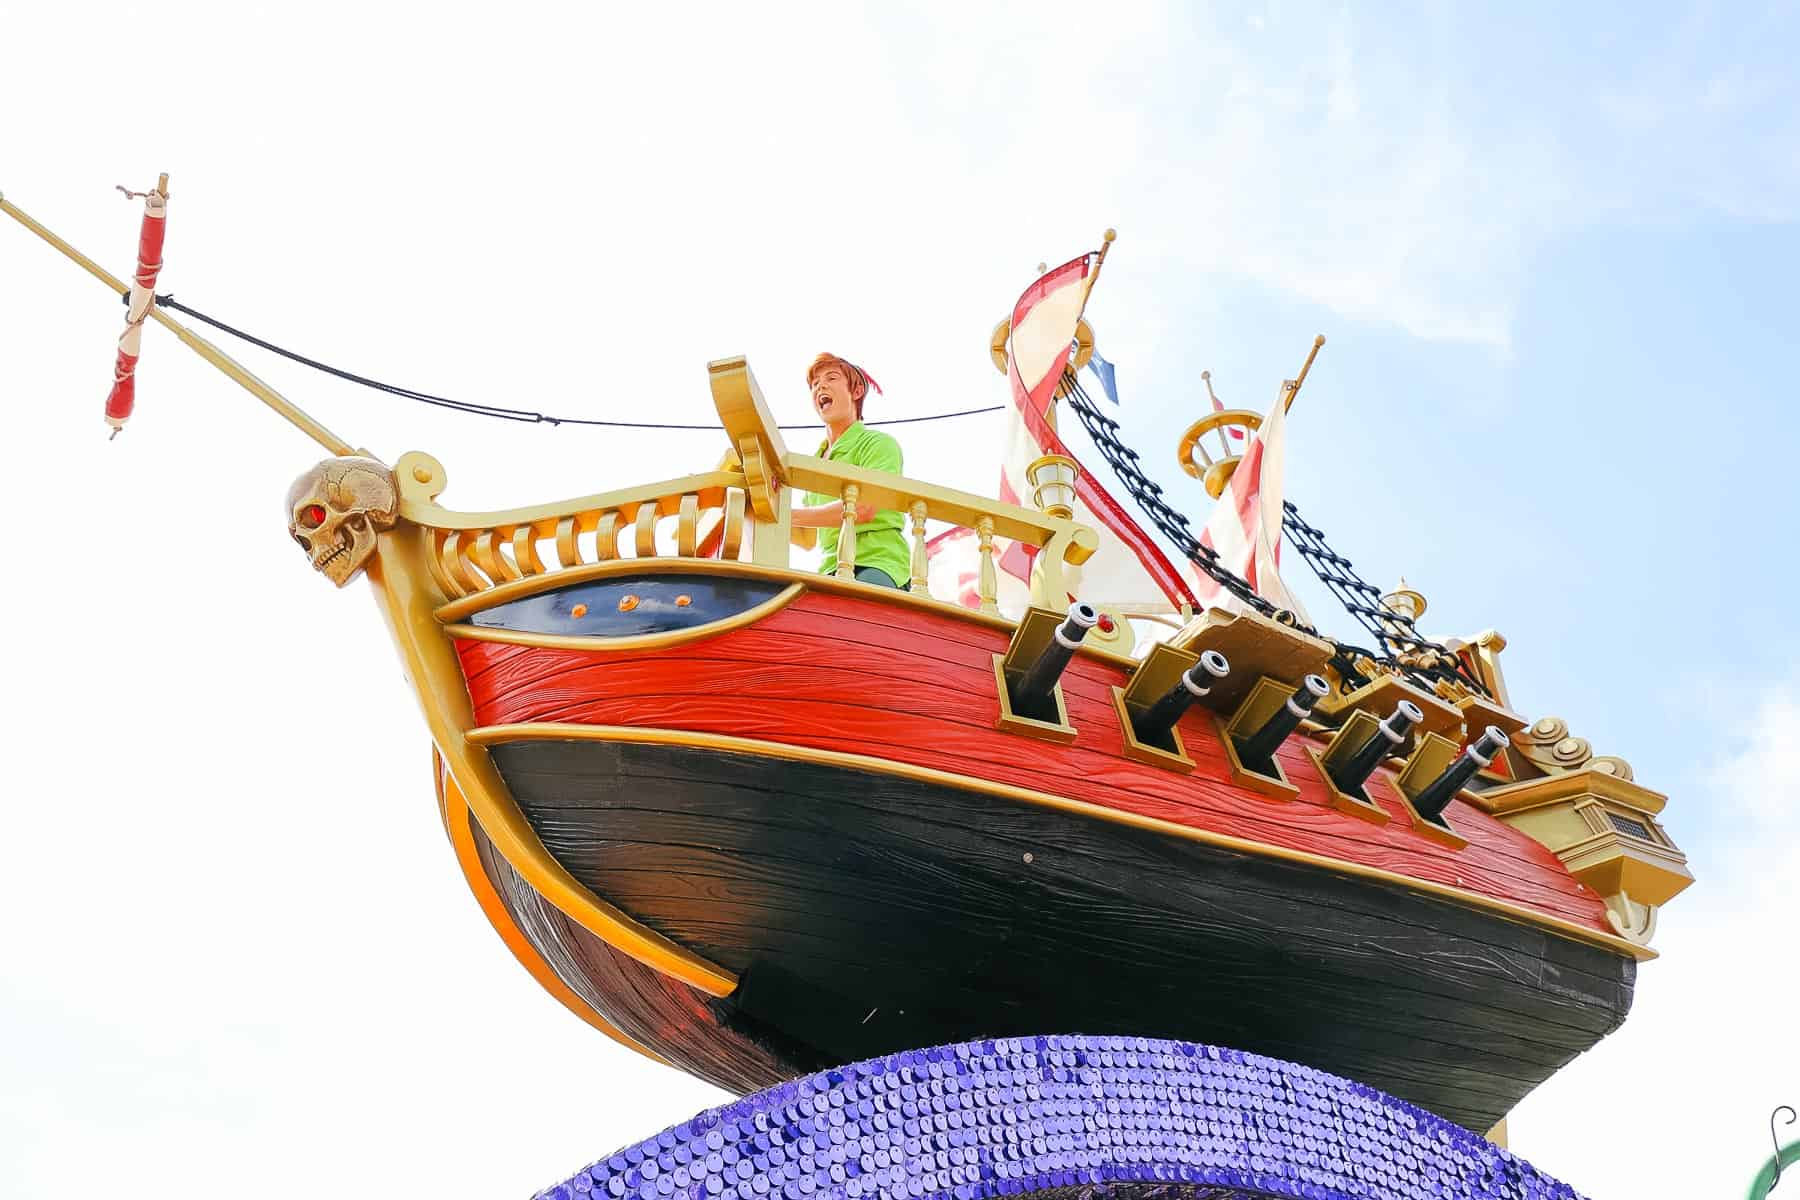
(143, 294)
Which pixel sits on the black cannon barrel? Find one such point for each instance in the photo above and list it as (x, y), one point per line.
(1033, 691)
(1194, 683)
(1263, 743)
(1437, 795)
(1389, 736)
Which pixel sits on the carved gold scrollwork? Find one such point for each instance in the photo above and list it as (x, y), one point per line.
(733, 543)
(606, 537)
(1549, 746)
(1632, 921)
(687, 527)
(568, 550)
(524, 550)
(645, 544)
(486, 553)
(759, 483)
(434, 558)
(450, 554)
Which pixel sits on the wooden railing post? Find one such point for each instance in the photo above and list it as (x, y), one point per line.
(921, 567)
(846, 548)
(989, 582)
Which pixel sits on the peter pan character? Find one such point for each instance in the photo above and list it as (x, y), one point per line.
(838, 389)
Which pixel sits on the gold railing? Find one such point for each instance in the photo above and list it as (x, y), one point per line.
(1059, 542)
(743, 510)
(697, 516)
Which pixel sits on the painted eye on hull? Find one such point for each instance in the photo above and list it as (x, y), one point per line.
(629, 606)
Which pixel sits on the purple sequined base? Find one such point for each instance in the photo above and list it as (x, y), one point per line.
(1024, 1116)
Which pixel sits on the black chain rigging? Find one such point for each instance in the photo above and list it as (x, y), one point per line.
(1413, 653)
(1405, 649)
(1170, 521)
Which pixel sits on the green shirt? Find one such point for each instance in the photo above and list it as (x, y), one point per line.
(879, 542)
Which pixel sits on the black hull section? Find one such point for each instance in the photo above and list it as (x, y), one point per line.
(867, 913)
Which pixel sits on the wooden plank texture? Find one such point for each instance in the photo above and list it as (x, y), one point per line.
(699, 1034)
(844, 674)
(868, 913)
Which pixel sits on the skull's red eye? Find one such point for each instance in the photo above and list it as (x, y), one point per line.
(312, 516)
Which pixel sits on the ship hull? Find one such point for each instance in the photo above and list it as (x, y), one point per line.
(773, 823)
(864, 913)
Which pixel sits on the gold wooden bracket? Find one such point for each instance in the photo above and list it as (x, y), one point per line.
(1255, 646)
(1160, 670)
(1478, 713)
(1358, 729)
(1379, 698)
(1435, 752)
(752, 430)
(1029, 640)
(1265, 697)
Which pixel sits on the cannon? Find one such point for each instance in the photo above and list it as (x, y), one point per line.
(1349, 775)
(1197, 681)
(1260, 746)
(1033, 691)
(1435, 797)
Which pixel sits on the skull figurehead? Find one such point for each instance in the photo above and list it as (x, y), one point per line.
(335, 511)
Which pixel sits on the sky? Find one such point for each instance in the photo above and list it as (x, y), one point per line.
(1552, 249)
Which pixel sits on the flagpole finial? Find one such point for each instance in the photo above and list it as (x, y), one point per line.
(1292, 386)
(1109, 235)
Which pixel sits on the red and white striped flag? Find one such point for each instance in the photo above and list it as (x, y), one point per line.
(1245, 526)
(1128, 568)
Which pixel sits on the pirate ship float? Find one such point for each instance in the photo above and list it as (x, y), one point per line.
(754, 822)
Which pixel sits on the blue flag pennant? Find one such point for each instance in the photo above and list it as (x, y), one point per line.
(1103, 371)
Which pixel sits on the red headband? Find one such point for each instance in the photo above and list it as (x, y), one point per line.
(869, 379)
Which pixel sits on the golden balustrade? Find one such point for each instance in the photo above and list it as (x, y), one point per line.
(741, 510)
(1061, 542)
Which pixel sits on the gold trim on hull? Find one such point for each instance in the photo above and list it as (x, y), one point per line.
(641, 641)
(462, 839)
(490, 735)
(401, 584)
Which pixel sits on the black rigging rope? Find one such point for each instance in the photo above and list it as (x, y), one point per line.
(496, 411)
(1414, 652)
(1415, 655)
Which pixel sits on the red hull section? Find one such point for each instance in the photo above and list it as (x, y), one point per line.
(858, 676)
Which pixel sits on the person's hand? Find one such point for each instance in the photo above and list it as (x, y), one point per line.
(865, 513)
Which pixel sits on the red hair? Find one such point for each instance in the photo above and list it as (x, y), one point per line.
(859, 379)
